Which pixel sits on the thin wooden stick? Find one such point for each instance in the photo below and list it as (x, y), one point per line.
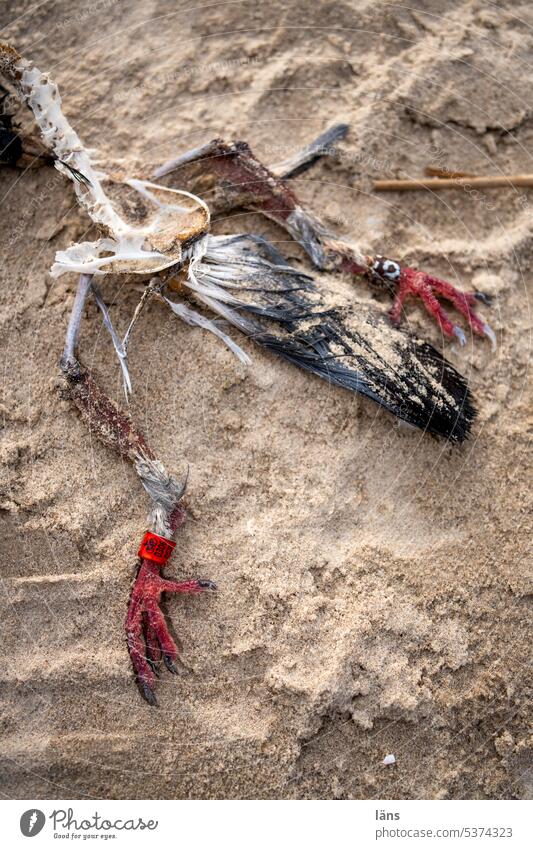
(517, 180)
(434, 171)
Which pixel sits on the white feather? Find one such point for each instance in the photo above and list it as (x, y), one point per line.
(194, 318)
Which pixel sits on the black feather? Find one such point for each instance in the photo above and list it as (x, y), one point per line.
(423, 390)
(81, 178)
(10, 146)
(350, 346)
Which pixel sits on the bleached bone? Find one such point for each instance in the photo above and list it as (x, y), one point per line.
(168, 217)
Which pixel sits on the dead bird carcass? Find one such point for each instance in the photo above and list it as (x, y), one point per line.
(244, 281)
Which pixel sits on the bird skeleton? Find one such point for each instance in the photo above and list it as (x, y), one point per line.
(163, 234)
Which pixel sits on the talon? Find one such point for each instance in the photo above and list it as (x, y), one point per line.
(148, 636)
(460, 335)
(414, 283)
(484, 298)
(170, 665)
(207, 585)
(490, 334)
(148, 694)
(153, 666)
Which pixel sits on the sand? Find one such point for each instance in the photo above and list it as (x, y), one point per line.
(374, 583)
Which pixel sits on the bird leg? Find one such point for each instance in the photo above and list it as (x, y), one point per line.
(148, 636)
(230, 176)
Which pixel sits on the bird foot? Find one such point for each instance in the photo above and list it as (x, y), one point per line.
(410, 282)
(148, 635)
(242, 180)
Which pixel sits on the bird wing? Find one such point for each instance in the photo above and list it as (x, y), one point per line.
(246, 281)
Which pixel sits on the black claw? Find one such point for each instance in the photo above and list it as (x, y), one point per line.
(154, 666)
(207, 585)
(484, 297)
(147, 693)
(170, 665)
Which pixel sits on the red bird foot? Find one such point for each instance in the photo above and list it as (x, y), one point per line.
(148, 636)
(409, 282)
